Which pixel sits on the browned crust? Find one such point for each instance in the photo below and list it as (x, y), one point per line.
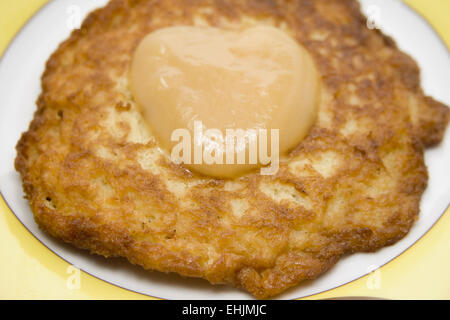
(113, 206)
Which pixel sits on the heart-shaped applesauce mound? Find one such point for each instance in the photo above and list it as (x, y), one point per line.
(198, 86)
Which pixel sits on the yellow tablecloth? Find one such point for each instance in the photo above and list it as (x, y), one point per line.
(29, 270)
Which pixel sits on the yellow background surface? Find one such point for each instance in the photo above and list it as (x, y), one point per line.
(28, 270)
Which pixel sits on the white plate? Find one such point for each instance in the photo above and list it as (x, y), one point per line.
(20, 71)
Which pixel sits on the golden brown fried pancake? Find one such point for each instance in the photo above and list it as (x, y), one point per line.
(95, 178)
